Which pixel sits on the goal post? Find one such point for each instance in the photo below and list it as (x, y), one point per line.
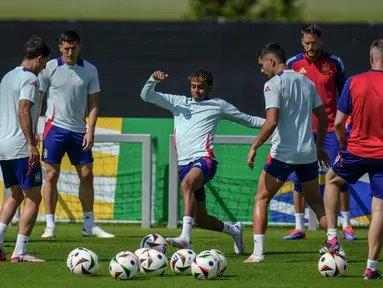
(232, 197)
(123, 172)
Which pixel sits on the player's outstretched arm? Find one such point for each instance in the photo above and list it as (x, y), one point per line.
(230, 112)
(166, 101)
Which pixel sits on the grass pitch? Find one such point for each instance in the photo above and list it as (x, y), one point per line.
(288, 263)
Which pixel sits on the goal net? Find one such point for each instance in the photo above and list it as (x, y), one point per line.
(230, 195)
(123, 176)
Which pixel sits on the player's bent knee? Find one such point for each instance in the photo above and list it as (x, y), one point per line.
(186, 185)
(262, 198)
(16, 193)
(52, 176)
(33, 194)
(87, 178)
(333, 178)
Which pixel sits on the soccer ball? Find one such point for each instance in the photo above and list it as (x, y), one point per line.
(222, 261)
(154, 241)
(124, 266)
(153, 263)
(332, 265)
(205, 266)
(181, 261)
(138, 253)
(83, 262)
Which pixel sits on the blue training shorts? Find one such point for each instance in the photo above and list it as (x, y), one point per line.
(208, 167)
(282, 170)
(331, 145)
(351, 168)
(58, 140)
(18, 172)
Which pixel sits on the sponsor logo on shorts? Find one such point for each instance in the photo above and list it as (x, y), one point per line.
(198, 164)
(38, 177)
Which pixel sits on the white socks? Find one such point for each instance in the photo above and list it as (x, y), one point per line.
(300, 221)
(230, 229)
(89, 220)
(21, 244)
(372, 264)
(187, 225)
(259, 240)
(3, 228)
(50, 218)
(331, 233)
(346, 218)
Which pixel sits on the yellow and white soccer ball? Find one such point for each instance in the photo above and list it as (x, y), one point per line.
(83, 262)
(124, 266)
(154, 241)
(181, 261)
(330, 265)
(153, 263)
(205, 266)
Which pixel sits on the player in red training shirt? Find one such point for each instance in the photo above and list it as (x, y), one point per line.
(362, 153)
(327, 73)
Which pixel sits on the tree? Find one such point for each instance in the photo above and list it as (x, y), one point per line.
(281, 10)
(276, 10)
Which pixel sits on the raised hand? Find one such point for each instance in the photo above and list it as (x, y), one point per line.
(159, 75)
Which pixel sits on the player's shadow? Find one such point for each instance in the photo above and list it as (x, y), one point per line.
(356, 261)
(226, 277)
(290, 252)
(100, 276)
(55, 241)
(141, 278)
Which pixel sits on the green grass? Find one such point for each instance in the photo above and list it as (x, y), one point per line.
(288, 263)
(322, 11)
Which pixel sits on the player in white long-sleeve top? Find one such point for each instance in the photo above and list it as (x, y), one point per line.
(195, 122)
(68, 82)
(19, 154)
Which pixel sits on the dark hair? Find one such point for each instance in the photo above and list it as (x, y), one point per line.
(36, 47)
(202, 75)
(69, 36)
(378, 44)
(313, 29)
(275, 49)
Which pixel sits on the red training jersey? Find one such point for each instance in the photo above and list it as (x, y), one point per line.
(362, 97)
(328, 75)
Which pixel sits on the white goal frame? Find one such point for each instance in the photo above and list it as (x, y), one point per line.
(148, 194)
(173, 209)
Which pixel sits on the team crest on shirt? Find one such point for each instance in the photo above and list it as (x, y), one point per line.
(325, 68)
(70, 80)
(45, 153)
(37, 177)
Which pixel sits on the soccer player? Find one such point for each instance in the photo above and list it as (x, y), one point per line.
(327, 73)
(362, 97)
(291, 99)
(19, 154)
(68, 81)
(195, 122)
